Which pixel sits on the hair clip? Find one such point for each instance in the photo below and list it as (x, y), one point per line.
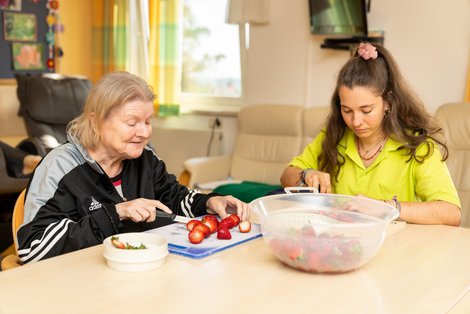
(367, 51)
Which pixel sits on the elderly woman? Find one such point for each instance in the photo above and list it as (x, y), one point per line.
(106, 180)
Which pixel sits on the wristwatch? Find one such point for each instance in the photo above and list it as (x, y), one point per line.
(397, 204)
(303, 174)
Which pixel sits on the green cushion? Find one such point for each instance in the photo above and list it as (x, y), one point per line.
(247, 190)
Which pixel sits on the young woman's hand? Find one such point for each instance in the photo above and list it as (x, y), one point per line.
(318, 179)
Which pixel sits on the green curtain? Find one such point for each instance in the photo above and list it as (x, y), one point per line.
(110, 33)
(165, 54)
(111, 42)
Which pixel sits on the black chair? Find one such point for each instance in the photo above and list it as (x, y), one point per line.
(10, 187)
(8, 183)
(48, 102)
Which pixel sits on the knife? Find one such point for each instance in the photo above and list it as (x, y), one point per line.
(174, 217)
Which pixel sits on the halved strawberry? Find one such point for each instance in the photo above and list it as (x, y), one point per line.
(211, 221)
(204, 228)
(190, 224)
(244, 226)
(235, 218)
(117, 244)
(227, 222)
(196, 236)
(223, 233)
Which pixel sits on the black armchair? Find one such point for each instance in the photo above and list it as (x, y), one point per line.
(48, 102)
(9, 184)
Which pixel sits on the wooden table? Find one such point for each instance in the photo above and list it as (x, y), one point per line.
(419, 269)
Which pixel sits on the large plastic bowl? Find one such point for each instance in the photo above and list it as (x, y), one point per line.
(323, 232)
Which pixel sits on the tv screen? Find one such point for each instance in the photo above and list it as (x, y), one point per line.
(338, 17)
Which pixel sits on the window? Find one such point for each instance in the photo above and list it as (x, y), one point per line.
(211, 69)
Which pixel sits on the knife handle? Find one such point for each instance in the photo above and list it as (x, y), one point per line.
(162, 214)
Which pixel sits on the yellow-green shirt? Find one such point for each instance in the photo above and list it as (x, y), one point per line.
(390, 174)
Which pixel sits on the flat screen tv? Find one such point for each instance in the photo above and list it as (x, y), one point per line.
(338, 17)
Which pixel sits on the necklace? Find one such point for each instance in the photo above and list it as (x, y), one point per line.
(379, 149)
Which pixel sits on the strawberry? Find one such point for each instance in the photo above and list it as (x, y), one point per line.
(203, 228)
(211, 221)
(117, 244)
(227, 222)
(190, 224)
(235, 218)
(295, 252)
(313, 261)
(223, 233)
(308, 230)
(244, 226)
(196, 236)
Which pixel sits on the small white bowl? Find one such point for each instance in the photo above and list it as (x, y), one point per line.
(136, 260)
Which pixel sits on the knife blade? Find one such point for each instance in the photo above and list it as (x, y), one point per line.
(174, 217)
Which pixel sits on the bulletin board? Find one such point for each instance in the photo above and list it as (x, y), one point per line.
(23, 46)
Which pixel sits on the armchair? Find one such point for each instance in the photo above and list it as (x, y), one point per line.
(267, 139)
(455, 120)
(48, 102)
(8, 184)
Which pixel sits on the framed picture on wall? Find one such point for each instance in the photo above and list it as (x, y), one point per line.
(28, 56)
(19, 26)
(14, 5)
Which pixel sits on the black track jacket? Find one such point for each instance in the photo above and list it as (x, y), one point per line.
(70, 201)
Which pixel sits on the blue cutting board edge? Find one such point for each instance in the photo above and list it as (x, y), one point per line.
(204, 252)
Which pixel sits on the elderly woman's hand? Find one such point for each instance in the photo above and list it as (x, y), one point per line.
(224, 205)
(140, 209)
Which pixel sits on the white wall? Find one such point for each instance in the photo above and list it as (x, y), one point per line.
(430, 40)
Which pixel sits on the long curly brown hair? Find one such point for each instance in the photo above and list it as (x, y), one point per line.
(407, 120)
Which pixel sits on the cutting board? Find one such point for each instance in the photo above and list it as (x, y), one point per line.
(178, 242)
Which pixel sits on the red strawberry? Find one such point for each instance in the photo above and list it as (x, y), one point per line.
(244, 226)
(223, 233)
(313, 261)
(204, 228)
(295, 252)
(308, 230)
(227, 222)
(211, 221)
(117, 244)
(196, 236)
(190, 224)
(235, 218)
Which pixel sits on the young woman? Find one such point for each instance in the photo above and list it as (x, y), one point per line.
(380, 142)
(106, 180)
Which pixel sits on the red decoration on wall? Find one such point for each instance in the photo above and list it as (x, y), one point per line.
(53, 28)
(51, 65)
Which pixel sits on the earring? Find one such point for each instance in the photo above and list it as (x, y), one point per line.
(386, 113)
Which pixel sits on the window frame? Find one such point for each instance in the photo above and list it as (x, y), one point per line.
(195, 103)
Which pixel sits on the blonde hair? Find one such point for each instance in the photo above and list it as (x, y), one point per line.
(111, 91)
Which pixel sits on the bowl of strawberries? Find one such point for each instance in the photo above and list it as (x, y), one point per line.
(323, 233)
